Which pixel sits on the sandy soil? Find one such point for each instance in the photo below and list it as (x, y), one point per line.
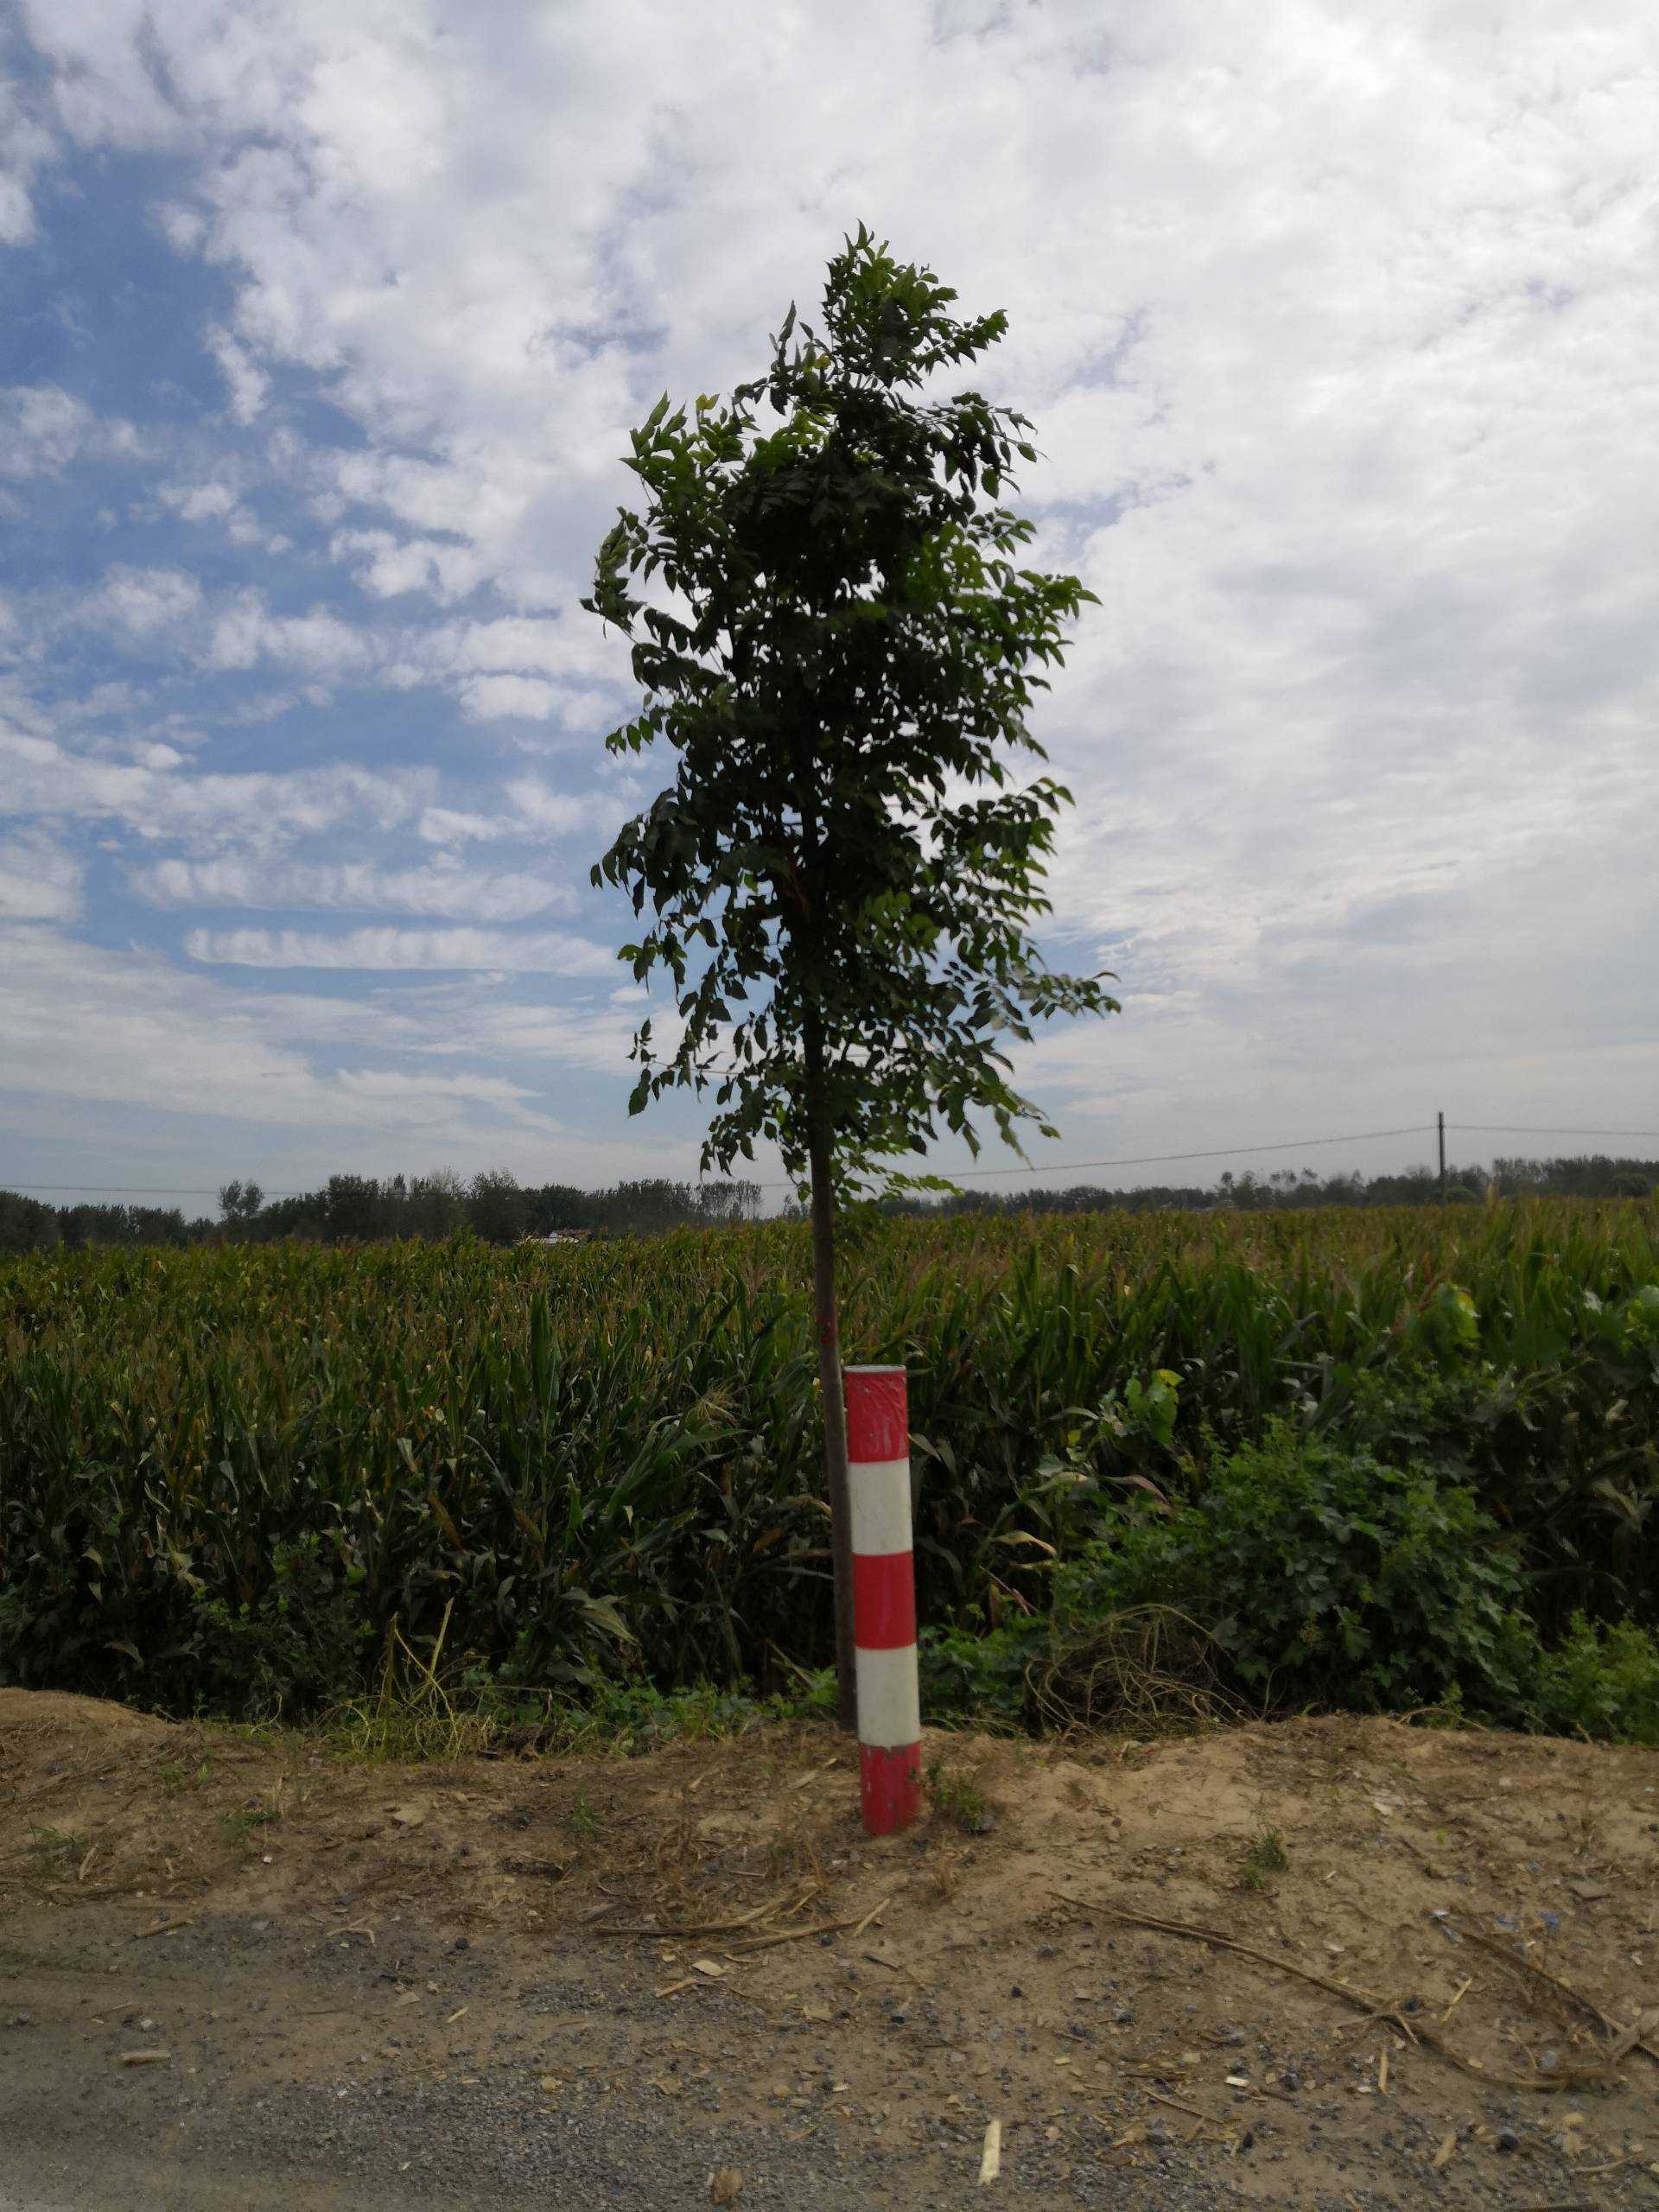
(549, 1980)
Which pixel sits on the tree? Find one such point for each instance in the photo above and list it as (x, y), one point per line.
(498, 1209)
(840, 645)
(239, 1202)
(26, 1224)
(436, 1205)
(353, 1207)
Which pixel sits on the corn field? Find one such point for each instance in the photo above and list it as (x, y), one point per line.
(226, 1472)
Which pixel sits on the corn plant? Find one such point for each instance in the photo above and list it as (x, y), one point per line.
(229, 1475)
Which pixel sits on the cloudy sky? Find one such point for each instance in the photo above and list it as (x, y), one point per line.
(322, 323)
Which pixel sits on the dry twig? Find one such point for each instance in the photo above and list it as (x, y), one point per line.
(1362, 2000)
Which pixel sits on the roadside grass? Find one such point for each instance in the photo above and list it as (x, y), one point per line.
(1265, 1857)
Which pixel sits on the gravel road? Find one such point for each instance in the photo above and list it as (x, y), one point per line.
(292, 2082)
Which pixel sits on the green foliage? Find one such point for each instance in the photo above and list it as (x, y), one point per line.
(226, 1472)
(1265, 1858)
(981, 1675)
(581, 1820)
(841, 877)
(956, 1797)
(1603, 1680)
(1325, 1576)
(239, 1202)
(26, 1224)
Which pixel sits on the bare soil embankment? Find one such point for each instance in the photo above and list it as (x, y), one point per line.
(522, 1980)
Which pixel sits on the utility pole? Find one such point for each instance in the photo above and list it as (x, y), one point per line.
(1440, 1121)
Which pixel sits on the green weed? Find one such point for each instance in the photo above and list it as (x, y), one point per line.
(1265, 1858)
(958, 1798)
(53, 1855)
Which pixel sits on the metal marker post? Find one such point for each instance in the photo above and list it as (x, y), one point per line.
(884, 1598)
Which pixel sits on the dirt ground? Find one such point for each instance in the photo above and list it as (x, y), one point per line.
(245, 1971)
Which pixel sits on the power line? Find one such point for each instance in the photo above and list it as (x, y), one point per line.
(1546, 1129)
(137, 1190)
(1159, 1159)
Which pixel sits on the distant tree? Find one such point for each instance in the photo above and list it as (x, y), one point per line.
(726, 1202)
(559, 1205)
(26, 1224)
(303, 1217)
(497, 1207)
(354, 1208)
(836, 634)
(436, 1206)
(239, 1202)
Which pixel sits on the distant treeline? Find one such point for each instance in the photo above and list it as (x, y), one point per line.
(365, 1208)
(1591, 1176)
(498, 1207)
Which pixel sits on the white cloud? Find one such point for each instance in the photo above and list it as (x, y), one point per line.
(143, 601)
(539, 807)
(89, 1027)
(444, 826)
(564, 645)
(120, 1067)
(247, 632)
(480, 895)
(43, 428)
(26, 146)
(386, 566)
(39, 881)
(547, 952)
(211, 501)
(248, 384)
(494, 698)
(208, 812)
(183, 227)
(491, 1028)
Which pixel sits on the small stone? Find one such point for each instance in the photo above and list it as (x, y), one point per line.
(1015, 1991)
(1290, 2079)
(1506, 2139)
(1230, 2037)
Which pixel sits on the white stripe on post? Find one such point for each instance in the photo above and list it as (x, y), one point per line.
(884, 1598)
(881, 1495)
(889, 1708)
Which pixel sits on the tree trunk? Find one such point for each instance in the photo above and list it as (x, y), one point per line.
(835, 1409)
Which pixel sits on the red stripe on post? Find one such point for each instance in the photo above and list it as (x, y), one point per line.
(883, 1600)
(877, 1416)
(890, 1785)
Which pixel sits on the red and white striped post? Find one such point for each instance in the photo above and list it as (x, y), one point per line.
(884, 1598)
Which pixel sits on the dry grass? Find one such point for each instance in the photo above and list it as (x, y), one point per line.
(1148, 1671)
